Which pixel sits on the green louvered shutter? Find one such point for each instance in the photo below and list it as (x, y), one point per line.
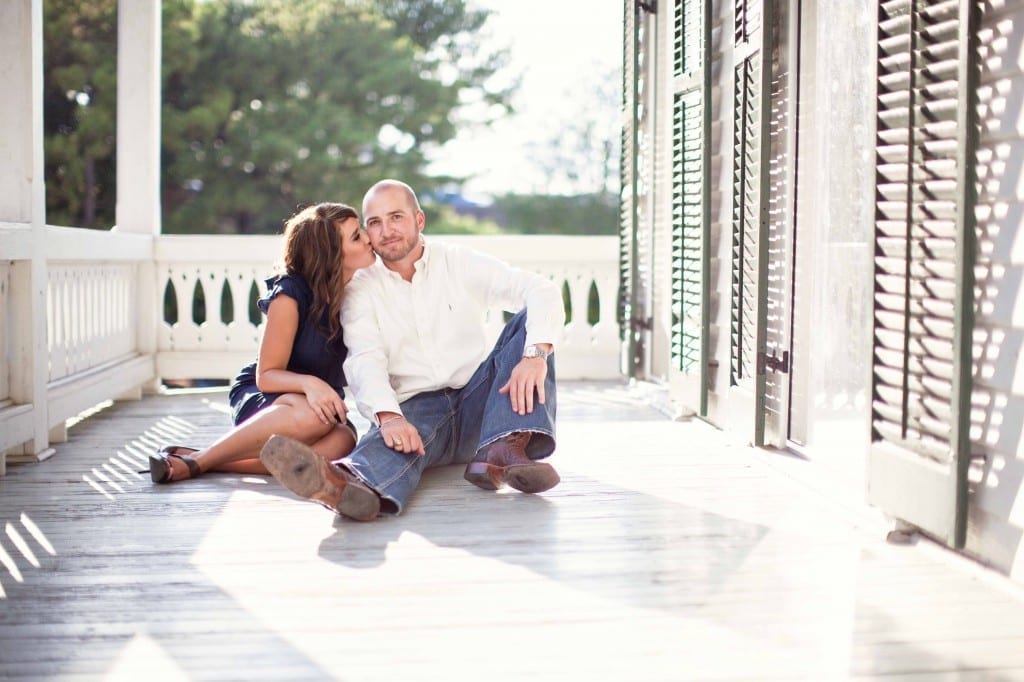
(691, 196)
(638, 143)
(924, 258)
(749, 220)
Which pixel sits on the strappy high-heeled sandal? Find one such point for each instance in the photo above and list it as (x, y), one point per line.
(160, 470)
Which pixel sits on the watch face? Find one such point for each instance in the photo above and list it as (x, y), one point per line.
(534, 352)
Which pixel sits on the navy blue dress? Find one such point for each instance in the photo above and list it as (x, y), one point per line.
(311, 353)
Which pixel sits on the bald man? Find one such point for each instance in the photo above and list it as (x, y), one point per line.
(423, 373)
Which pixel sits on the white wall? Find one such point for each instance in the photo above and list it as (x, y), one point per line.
(996, 521)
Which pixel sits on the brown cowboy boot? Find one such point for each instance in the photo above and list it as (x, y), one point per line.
(309, 475)
(505, 461)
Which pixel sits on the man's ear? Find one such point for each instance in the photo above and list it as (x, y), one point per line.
(421, 220)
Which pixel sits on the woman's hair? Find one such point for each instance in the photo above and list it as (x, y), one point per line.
(312, 249)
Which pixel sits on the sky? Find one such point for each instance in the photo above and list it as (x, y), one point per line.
(559, 47)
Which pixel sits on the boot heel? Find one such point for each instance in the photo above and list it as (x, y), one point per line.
(483, 475)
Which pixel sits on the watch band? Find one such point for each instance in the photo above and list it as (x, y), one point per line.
(534, 351)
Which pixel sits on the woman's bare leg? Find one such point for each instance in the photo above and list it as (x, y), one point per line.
(338, 443)
(238, 450)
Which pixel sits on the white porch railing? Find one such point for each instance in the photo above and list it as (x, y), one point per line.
(125, 311)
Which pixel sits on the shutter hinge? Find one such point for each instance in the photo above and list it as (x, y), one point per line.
(773, 362)
(649, 7)
(636, 324)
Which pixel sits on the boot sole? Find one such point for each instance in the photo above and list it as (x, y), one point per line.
(308, 475)
(535, 477)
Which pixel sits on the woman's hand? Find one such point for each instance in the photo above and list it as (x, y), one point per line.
(399, 434)
(325, 401)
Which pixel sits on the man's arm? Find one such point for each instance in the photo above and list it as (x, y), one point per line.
(366, 371)
(366, 365)
(515, 289)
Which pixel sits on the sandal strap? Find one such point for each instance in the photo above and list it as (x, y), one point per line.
(193, 466)
(173, 449)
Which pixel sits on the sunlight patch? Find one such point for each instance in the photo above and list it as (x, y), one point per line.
(97, 487)
(36, 533)
(8, 563)
(19, 542)
(23, 548)
(218, 406)
(303, 569)
(140, 658)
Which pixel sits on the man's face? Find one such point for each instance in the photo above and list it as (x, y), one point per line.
(393, 223)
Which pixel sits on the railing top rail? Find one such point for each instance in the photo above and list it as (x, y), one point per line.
(514, 248)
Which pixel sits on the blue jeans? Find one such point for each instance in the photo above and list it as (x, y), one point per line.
(455, 423)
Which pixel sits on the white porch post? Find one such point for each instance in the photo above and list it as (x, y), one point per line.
(22, 219)
(138, 116)
(138, 147)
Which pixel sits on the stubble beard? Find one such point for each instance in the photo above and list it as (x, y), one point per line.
(395, 252)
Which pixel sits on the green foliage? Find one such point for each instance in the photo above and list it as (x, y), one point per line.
(289, 102)
(556, 214)
(268, 104)
(79, 100)
(444, 220)
(582, 214)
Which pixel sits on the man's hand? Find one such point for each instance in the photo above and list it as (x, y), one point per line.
(399, 434)
(528, 376)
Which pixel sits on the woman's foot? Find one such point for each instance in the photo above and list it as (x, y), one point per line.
(162, 465)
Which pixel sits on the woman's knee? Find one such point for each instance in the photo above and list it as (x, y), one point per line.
(338, 442)
(306, 423)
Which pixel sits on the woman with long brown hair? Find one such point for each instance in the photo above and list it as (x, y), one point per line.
(295, 387)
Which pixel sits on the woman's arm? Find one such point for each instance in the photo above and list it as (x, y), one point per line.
(272, 375)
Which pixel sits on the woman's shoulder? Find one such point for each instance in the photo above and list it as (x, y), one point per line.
(291, 285)
(288, 280)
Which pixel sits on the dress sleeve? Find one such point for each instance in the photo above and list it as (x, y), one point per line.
(282, 284)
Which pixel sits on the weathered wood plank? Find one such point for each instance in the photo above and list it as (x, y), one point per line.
(666, 552)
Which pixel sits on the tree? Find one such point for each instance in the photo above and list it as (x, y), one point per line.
(268, 104)
(79, 103)
(594, 213)
(290, 102)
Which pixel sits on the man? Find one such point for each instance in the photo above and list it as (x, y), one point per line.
(420, 370)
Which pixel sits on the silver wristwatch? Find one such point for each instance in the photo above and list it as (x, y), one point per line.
(533, 351)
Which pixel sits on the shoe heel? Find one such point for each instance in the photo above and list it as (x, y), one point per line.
(159, 469)
(359, 503)
(483, 475)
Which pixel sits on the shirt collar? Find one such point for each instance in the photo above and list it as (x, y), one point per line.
(424, 260)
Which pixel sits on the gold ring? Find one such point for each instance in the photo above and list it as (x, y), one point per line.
(398, 441)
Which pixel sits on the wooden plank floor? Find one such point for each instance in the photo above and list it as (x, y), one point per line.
(668, 552)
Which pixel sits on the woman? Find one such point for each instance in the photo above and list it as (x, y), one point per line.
(295, 388)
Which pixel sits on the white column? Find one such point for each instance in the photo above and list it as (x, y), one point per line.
(21, 120)
(23, 210)
(138, 147)
(138, 116)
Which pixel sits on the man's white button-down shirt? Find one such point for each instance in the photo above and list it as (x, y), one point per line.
(406, 338)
